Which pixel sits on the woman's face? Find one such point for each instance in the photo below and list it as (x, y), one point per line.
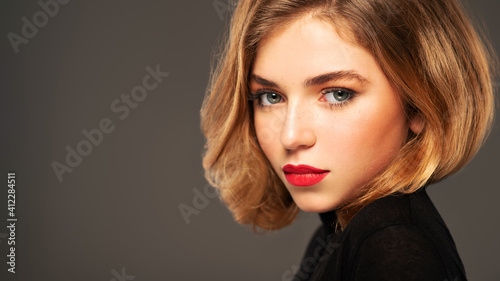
(325, 103)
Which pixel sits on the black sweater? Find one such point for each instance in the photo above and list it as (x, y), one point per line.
(398, 237)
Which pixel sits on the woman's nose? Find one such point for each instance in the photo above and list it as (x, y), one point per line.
(298, 128)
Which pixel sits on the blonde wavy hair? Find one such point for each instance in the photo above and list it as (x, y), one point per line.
(429, 51)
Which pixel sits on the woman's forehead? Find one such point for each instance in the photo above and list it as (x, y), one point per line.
(309, 47)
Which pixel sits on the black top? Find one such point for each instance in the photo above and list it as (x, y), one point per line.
(398, 237)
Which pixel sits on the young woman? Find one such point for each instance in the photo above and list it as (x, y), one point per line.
(349, 108)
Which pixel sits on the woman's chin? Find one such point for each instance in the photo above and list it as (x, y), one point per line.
(316, 206)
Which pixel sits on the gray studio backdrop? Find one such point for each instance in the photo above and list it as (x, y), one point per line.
(100, 124)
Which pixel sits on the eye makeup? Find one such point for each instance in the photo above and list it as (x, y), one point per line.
(335, 96)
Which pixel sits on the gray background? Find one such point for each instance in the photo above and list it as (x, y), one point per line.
(119, 209)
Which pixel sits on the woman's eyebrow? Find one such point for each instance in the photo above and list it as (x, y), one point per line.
(334, 76)
(318, 80)
(263, 81)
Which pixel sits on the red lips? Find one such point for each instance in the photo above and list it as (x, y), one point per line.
(302, 169)
(304, 175)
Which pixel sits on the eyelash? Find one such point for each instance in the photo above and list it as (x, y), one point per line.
(257, 96)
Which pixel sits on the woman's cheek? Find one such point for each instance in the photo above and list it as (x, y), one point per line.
(268, 127)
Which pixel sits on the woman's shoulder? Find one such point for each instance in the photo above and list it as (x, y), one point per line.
(401, 235)
(414, 211)
(397, 252)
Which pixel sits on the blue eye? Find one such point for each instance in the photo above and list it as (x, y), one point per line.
(338, 95)
(270, 98)
(332, 96)
(266, 98)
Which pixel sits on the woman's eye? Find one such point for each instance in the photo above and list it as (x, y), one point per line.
(270, 98)
(337, 95)
(334, 96)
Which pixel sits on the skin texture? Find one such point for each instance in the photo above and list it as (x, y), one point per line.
(301, 125)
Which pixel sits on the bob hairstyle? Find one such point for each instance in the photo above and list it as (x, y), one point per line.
(428, 50)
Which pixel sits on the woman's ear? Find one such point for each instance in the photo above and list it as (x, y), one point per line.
(416, 123)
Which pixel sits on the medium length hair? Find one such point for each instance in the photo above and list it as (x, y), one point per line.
(428, 50)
